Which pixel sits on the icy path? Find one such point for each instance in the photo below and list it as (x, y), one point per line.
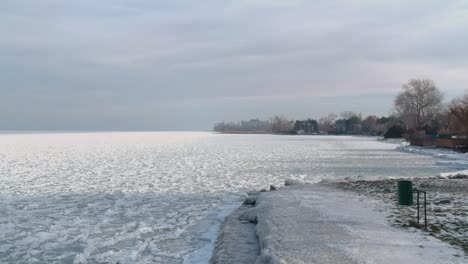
(318, 224)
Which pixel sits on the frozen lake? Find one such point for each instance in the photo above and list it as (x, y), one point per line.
(158, 197)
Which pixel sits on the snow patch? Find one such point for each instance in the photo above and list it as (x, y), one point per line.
(463, 174)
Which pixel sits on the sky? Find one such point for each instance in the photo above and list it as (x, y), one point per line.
(184, 65)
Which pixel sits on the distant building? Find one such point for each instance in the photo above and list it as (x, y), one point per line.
(341, 126)
(305, 127)
(347, 126)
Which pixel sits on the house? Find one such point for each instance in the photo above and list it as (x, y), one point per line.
(347, 126)
(341, 127)
(306, 127)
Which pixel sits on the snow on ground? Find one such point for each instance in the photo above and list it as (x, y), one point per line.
(447, 205)
(455, 175)
(149, 197)
(319, 224)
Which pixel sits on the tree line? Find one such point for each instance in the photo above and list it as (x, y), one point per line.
(418, 108)
(421, 107)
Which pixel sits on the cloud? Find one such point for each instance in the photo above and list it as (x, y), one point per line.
(249, 4)
(111, 58)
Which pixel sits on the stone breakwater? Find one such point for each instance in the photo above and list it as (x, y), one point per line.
(319, 223)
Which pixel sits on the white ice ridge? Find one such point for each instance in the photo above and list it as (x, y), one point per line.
(319, 224)
(445, 157)
(455, 175)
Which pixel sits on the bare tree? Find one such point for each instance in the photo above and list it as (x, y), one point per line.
(350, 115)
(444, 120)
(281, 125)
(459, 114)
(369, 124)
(327, 123)
(419, 102)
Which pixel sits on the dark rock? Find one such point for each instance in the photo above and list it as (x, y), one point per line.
(412, 223)
(249, 215)
(444, 201)
(459, 176)
(250, 200)
(290, 182)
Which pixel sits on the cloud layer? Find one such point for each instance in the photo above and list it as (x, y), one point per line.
(184, 64)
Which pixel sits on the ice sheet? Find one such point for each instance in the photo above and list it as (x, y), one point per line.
(142, 197)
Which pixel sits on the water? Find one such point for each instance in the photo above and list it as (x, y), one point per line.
(157, 197)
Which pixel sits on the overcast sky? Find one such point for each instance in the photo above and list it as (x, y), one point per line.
(183, 65)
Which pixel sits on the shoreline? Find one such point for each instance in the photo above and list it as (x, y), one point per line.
(326, 224)
(203, 254)
(447, 205)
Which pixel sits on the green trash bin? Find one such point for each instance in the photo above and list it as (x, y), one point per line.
(405, 193)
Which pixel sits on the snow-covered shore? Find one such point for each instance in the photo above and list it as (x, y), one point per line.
(320, 223)
(447, 210)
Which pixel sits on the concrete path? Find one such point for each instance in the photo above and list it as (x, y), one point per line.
(320, 224)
